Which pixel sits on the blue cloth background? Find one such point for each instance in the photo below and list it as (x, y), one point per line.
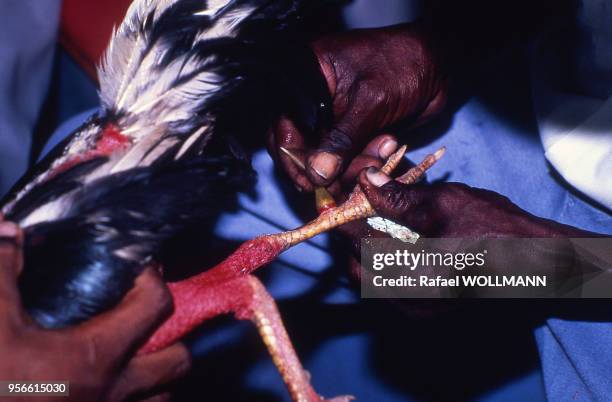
(27, 45)
(477, 351)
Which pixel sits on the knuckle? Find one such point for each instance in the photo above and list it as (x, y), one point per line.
(161, 298)
(371, 91)
(90, 349)
(8, 249)
(339, 138)
(153, 292)
(397, 198)
(379, 98)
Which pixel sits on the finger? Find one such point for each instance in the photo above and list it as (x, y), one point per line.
(11, 241)
(121, 330)
(435, 106)
(340, 144)
(325, 164)
(165, 397)
(11, 263)
(388, 197)
(151, 373)
(381, 147)
(358, 164)
(373, 155)
(377, 177)
(288, 136)
(339, 188)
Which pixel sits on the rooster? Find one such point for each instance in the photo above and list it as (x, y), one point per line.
(182, 84)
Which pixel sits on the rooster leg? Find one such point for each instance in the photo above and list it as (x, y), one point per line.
(264, 313)
(217, 291)
(201, 298)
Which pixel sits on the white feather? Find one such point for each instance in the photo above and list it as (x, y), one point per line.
(214, 7)
(227, 24)
(190, 141)
(132, 82)
(137, 153)
(145, 95)
(48, 212)
(156, 152)
(123, 52)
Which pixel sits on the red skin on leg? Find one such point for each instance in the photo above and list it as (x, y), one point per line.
(198, 299)
(250, 256)
(214, 292)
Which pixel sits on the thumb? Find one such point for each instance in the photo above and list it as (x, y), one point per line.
(11, 262)
(328, 161)
(339, 146)
(350, 132)
(152, 373)
(388, 197)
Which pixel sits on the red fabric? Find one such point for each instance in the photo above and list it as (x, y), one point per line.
(86, 27)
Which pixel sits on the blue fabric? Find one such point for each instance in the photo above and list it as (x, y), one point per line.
(576, 360)
(27, 45)
(493, 143)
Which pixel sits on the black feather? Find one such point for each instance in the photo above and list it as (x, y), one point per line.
(267, 69)
(74, 268)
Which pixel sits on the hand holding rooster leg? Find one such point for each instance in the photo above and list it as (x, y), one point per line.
(456, 210)
(96, 357)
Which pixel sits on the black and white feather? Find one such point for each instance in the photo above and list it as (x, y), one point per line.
(177, 76)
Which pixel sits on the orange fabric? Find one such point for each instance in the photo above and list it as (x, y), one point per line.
(86, 27)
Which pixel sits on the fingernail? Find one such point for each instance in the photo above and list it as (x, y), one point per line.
(387, 148)
(8, 229)
(376, 177)
(325, 164)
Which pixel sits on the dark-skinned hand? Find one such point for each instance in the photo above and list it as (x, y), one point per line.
(376, 77)
(97, 357)
(437, 210)
(455, 210)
